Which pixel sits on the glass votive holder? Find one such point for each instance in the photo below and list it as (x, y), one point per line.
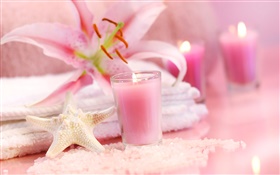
(137, 98)
(239, 52)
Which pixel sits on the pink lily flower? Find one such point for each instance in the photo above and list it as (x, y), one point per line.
(99, 50)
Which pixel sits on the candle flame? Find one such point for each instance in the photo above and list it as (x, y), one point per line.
(134, 78)
(241, 30)
(256, 165)
(185, 46)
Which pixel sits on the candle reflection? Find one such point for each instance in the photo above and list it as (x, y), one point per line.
(256, 165)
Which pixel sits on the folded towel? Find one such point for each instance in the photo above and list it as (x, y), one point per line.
(19, 138)
(89, 101)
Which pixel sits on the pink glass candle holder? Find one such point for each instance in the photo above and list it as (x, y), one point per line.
(137, 97)
(194, 55)
(239, 55)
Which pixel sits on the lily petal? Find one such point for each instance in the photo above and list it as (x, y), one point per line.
(137, 17)
(79, 80)
(110, 68)
(56, 40)
(158, 49)
(103, 80)
(85, 17)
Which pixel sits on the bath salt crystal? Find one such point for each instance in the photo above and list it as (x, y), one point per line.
(170, 155)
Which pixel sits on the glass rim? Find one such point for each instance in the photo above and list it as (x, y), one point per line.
(127, 76)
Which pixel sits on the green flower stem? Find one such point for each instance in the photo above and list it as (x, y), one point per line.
(96, 60)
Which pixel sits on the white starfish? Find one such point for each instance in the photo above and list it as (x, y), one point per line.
(73, 126)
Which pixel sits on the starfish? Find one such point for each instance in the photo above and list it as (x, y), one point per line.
(73, 126)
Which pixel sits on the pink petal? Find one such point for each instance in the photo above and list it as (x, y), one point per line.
(79, 80)
(109, 68)
(112, 67)
(157, 49)
(103, 80)
(56, 40)
(137, 17)
(85, 17)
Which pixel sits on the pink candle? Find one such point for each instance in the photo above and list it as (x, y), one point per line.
(195, 69)
(138, 100)
(239, 52)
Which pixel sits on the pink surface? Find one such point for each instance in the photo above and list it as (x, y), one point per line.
(139, 109)
(252, 117)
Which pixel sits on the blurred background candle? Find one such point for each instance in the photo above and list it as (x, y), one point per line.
(194, 55)
(138, 100)
(239, 53)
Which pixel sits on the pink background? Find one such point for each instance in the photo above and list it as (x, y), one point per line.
(231, 115)
(182, 20)
(261, 16)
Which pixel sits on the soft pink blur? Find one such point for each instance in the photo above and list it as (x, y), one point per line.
(240, 58)
(195, 74)
(262, 16)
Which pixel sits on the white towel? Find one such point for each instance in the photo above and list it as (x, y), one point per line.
(19, 138)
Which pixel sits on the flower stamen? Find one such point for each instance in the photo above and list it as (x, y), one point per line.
(105, 51)
(121, 57)
(109, 41)
(96, 30)
(122, 40)
(113, 22)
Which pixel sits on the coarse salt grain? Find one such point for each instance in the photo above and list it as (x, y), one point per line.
(171, 154)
